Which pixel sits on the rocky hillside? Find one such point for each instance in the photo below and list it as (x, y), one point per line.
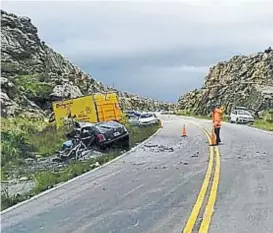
(33, 75)
(242, 81)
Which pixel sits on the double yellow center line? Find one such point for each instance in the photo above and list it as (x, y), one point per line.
(214, 161)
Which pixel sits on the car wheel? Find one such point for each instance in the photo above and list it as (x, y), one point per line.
(102, 148)
(126, 144)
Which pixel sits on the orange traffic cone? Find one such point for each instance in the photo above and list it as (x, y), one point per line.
(184, 132)
(213, 138)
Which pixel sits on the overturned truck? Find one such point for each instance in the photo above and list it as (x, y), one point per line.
(93, 108)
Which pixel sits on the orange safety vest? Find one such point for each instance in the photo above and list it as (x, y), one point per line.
(217, 118)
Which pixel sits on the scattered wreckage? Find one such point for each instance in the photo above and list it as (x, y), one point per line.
(87, 137)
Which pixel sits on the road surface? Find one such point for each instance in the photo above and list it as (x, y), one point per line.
(170, 184)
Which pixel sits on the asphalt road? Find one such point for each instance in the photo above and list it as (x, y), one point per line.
(154, 189)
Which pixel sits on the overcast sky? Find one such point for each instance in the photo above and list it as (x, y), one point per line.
(159, 49)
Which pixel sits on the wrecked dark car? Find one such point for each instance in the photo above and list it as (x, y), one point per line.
(101, 135)
(86, 137)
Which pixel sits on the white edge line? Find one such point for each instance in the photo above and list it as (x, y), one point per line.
(80, 176)
(261, 130)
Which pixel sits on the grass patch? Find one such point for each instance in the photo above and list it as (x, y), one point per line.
(266, 121)
(48, 140)
(23, 138)
(7, 201)
(45, 139)
(33, 83)
(262, 124)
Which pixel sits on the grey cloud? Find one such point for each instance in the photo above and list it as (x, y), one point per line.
(135, 43)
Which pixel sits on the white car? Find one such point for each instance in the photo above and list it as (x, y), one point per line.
(144, 119)
(241, 116)
(147, 119)
(134, 120)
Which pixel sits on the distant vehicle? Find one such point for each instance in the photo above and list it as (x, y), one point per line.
(240, 108)
(132, 113)
(134, 120)
(101, 135)
(144, 119)
(241, 115)
(147, 119)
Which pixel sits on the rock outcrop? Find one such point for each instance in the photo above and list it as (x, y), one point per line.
(242, 81)
(33, 75)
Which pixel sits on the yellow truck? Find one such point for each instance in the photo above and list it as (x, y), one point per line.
(92, 108)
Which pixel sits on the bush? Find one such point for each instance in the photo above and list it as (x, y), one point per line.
(7, 201)
(48, 140)
(22, 136)
(13, 147)
(265, 121)
(268, 116)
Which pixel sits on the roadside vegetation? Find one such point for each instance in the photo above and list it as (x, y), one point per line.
(22, 138)
(265, 121)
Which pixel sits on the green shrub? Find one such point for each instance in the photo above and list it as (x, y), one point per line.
(44, 180)
(13, 147)
(268, 116)
(7, 201)
(20, 136)
(48, 140)
(33, 85)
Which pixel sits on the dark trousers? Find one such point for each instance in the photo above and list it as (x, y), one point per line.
(217, 133)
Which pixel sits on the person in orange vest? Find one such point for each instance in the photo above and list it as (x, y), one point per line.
(217, 121)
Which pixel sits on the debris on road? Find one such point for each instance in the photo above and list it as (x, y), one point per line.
(158, 148)
(195, 154)
(150, 145)
(138, 164)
